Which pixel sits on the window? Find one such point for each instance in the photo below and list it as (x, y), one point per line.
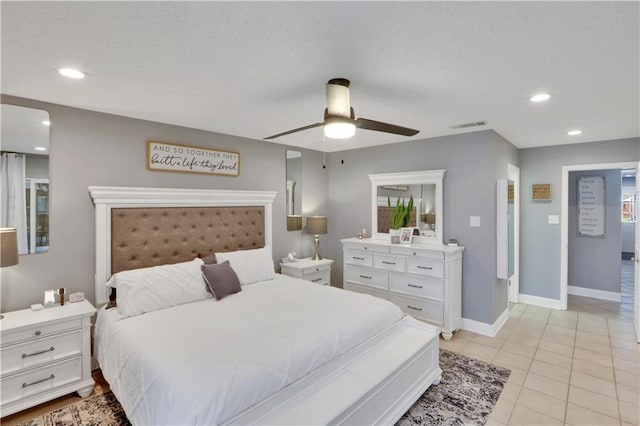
(37, 197)
(629, 206)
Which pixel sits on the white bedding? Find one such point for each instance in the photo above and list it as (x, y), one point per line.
(207, 361)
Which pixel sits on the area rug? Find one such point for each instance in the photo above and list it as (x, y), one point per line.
(466, 395)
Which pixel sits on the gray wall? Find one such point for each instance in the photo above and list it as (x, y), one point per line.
(473, 163)
(594, 262)
(89, 148)
(539, 241)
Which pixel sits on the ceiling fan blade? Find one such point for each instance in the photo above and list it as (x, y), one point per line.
(299, 129)
(379, 126)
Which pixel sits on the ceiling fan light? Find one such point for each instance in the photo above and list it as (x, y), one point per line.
(339, 129)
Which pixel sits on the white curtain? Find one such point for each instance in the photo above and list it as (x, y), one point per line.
(13, 205)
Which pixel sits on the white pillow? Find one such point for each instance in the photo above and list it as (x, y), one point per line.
(250, 265)
(159, 287)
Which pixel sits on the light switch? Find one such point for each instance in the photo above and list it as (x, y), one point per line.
(553, 219)
(474, 221)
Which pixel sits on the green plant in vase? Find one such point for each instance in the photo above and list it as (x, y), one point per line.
(400, 216)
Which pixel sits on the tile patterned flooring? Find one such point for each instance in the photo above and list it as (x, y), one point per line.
(575, 367)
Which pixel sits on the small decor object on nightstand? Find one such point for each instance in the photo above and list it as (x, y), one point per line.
(317, 225)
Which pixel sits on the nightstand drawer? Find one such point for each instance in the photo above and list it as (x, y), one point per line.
(313, 269)
(358, 257)
(40, 351)
(42, 379)
(40, 331)
(322, 277)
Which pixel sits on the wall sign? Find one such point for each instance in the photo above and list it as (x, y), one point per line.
(169, 157)
(541, 191)
(591, 206)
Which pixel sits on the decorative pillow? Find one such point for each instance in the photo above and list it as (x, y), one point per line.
(159, 287)
(250, 265)
(208, 259)
(221, 279)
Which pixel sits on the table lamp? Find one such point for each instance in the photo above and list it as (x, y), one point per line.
(8, 248)
(317, 225)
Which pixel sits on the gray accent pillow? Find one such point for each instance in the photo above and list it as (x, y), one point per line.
(221, 279)
(208, 259)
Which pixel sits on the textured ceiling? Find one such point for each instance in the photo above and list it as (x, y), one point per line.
(259, 68)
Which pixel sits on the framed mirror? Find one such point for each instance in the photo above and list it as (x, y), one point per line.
(24, 176)
(294, 190)
(425, 187)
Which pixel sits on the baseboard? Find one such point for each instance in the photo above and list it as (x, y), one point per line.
(539, 301)
(483, 328)
(595, 294)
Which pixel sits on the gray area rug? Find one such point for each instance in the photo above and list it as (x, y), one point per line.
(466, 395)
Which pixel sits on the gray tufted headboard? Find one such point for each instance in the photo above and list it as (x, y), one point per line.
(141, 227)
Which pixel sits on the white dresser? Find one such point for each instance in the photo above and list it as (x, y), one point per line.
(45, 354)
(425, 281)
(316, 271)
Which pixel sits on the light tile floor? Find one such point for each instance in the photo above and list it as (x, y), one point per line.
(573, 367)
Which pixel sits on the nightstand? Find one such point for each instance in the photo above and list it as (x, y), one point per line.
(45, 354)
(316, 271)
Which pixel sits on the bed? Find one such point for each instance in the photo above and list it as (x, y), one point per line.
(280, 351)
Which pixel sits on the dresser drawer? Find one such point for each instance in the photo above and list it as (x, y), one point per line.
(40, 351)
(414, 252)
(366, 247)
(358, 257)
(40, 331)
(417, 285)
(366, 290)
(42, 379)
(423, 309)
(425, 266)
(321, 277)
(388, 262)
(366, 277)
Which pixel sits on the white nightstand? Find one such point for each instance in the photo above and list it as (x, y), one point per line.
(316, 271)
(45, 354)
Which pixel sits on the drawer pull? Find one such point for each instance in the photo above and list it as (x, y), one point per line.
(424, 267)
(37, 333)
(51, 349)
(366, 277)
(414, 286)
(317, 269)
(388, 263)
(414, 308)
(357, 258)
(51, 377)
(316, 280)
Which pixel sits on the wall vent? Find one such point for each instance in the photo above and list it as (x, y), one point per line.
(468, 125)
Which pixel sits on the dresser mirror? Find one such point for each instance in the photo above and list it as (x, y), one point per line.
(294, 190)
(24, 171)
(426, 189)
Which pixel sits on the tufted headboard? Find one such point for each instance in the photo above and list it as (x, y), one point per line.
(142, 227)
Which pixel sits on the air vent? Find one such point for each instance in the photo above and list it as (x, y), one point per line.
(469, 125)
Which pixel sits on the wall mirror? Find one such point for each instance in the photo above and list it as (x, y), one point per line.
(426, 189)
(24, 176)
(294, 190)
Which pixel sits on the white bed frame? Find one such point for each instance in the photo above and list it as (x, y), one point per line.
(374, 383)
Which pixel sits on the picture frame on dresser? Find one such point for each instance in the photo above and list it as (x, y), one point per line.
(406, 235)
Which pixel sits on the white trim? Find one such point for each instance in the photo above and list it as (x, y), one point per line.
(593, 293)
(513, 173)
(564, 217)
(483, 328)
(107, 197)
(541, 301)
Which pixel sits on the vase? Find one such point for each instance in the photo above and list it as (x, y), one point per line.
(395, 236)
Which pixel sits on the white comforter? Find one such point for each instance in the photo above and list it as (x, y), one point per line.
(205, 362)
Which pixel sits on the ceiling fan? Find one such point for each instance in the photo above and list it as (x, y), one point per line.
(339, 118)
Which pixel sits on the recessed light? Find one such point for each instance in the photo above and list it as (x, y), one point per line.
(46, 123)
(540, 97)
(72, 73)
(574, 132)
(40, 148)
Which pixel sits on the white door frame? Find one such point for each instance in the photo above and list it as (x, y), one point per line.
(564, 217)
(513, 173)
(636, 264)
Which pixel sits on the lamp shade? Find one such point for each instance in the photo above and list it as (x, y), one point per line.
(8, 247)
(294, 222)
(316, 225)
